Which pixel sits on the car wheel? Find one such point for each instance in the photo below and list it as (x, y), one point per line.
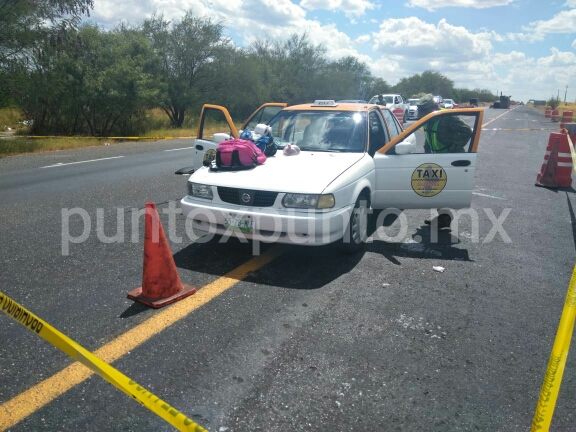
(405, 117)
(356, 233)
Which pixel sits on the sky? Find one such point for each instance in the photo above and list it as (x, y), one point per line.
(522, 48)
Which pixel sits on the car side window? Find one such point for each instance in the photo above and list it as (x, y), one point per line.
(263, 116)
(451, 133)
(378, 133)
(392, 123)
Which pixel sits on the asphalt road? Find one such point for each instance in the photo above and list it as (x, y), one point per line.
(311, 341)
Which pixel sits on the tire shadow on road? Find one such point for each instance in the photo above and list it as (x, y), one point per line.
(422, 244)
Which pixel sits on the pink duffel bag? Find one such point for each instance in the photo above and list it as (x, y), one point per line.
(238, 154)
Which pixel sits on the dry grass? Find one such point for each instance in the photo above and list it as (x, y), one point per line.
(10, 118)
(156, 120)
(568, 106)
(19, 145)
(12, 146)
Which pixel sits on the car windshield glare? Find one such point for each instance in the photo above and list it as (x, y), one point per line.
(326, 131)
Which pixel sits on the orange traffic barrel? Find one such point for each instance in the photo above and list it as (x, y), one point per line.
(548, 112)
(555, 115)
(566, 118)
(399, 114)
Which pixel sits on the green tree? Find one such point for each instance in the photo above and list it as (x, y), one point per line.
(97, 86)
(429, 81)
(293, 70)
(25, 22)
(185, 51)
(553, 102)
(348, 78)
(377, 86)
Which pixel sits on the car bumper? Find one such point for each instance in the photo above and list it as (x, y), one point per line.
(412, 115)
(313, 228)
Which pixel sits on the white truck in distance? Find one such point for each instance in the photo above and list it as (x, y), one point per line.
(393, 101)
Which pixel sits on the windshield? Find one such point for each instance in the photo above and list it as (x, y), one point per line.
(448, 101)
(412, 101)
(387, 100)
(327, 131)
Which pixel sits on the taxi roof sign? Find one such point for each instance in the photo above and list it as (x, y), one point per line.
(323, 102)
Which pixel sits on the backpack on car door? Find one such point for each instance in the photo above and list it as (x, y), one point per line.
(237, 154)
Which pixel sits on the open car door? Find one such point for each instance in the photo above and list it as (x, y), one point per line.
(411, 176)
(211, 115)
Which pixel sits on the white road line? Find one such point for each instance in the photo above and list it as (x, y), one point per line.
(486, 195)
(183, 148)
(86, 161)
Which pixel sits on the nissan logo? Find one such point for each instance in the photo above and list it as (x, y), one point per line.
(246, 197)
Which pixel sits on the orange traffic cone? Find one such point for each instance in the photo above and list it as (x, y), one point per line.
(547, 176)
(161, 284)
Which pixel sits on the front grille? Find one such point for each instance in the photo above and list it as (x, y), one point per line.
(233, 196)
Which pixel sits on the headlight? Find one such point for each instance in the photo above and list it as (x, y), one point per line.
(198, 190)
(292, 200)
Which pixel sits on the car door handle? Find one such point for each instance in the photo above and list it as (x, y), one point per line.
(199, 147)
(461, 163)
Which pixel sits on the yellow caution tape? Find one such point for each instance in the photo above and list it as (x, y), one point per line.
(571, 151)
(98, 366)
(557, 362)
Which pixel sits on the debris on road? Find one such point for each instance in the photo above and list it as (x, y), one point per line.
(438, 269)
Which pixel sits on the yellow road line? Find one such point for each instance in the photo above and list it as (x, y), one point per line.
(495, 118)
(26, 403)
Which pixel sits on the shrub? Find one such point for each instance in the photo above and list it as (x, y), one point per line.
(553, 102)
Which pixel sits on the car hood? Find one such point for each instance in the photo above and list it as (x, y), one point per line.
(308, 172)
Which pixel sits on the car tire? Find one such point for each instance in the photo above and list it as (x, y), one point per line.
(405, 117)
(356, 233)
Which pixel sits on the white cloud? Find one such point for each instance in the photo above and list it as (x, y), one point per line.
(558, 60)
(402, 47)
(508, 59)
(417, 39)
(349, 7)
(562, 22)
(477, 4)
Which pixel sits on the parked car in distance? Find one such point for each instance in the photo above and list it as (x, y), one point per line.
(438, 100)
(413, 110)
(393, 101)
(448, 103)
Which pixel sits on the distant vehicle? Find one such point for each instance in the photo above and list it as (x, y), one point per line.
(438, 100)
(393, 101)
(448, 103)
(351, 101)
(474, 101)
(413, 111)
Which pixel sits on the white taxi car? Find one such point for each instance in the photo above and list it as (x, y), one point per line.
(353, 157)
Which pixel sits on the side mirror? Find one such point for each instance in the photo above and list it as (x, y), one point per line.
(219, 137)
(404, 147)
